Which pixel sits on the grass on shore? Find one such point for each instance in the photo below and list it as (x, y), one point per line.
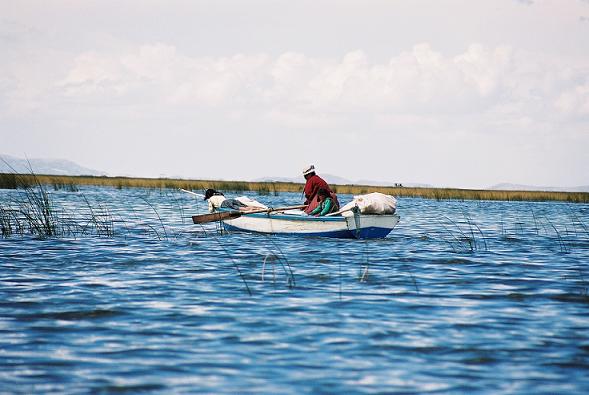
(12, 181)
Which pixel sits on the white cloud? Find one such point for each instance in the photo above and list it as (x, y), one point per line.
(484, 69)
(483, 90)
(575, 101)
(93, 73)
(416, 82)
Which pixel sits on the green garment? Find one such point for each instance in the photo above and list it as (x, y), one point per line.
(323, 208)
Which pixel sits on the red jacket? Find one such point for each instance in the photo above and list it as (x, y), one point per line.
(312, 186)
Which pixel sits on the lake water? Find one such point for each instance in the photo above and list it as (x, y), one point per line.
(462, 297)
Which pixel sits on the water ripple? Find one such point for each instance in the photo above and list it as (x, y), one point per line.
(462, 297)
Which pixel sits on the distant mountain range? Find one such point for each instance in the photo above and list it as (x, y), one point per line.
(62, 167)
(331, 179)
(336, 180)
(11, 164)
(519, 187)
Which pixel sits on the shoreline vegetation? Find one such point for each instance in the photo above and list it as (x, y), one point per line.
(71, 183)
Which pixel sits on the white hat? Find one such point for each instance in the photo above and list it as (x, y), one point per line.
(309, 169)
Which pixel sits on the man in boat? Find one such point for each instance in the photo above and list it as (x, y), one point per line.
(326, 204)
(312, 186)
(217, 200)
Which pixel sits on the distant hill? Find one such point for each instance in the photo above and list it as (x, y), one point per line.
(62, 167)
(519, 187)
(336, 180)
(331, 179)
(392, 184)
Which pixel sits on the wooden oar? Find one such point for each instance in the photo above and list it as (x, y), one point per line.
(226, 215)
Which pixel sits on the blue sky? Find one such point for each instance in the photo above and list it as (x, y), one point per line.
(450, 93)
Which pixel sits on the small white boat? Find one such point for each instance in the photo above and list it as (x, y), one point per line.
(356, 226)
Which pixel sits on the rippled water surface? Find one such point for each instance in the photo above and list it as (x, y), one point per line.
(476, 297)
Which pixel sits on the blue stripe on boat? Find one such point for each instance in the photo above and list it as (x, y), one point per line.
(365, 233)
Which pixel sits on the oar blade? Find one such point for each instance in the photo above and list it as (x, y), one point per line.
(218, 216)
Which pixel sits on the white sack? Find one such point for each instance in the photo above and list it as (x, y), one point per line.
(372, 203)
(250, 202)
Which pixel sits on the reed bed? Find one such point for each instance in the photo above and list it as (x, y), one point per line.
(14, 181)
(33, 212)
(267, 188)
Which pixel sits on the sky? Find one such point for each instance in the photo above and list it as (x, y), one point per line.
(450, 93)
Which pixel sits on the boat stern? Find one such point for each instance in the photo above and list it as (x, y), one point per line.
(371, 226)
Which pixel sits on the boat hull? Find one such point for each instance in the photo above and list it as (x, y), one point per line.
(352, 227)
